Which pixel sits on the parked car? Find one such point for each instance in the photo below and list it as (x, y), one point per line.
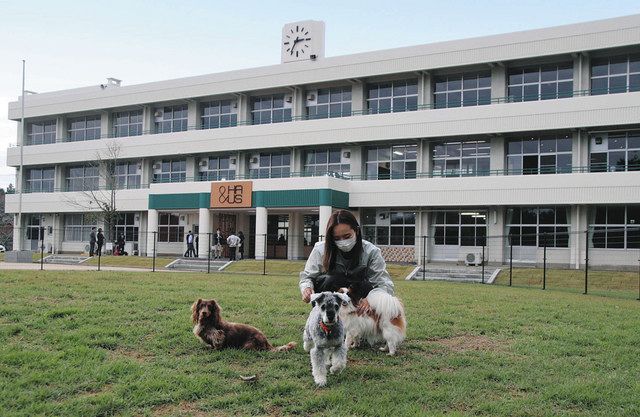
(2, 249)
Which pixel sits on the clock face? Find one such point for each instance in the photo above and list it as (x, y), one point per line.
(297, 42)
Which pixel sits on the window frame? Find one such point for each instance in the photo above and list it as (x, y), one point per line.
(374, 97)
(445, 86)
(393, 159)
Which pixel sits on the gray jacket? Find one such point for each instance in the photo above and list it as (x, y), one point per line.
(371, 258)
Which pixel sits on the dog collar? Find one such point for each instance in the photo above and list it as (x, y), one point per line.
(326, 328)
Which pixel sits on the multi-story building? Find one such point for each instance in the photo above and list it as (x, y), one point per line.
(517, 134)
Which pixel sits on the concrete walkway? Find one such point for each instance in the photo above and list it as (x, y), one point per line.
(5, 266)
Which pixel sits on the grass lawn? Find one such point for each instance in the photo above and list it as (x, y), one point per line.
(612, 283)
(120, 343)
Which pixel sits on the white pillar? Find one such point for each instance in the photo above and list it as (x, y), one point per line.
(325, 213)
(498, 81)
(204, 227)
(152, 226)
(296, 236)
(495, 227)
(18, 232)
(261, 231)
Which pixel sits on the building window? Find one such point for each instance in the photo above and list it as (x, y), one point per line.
(170, 171)
(169, 229)
(127, 123)
(384, 227)
(126, 226)
(615, 152)
(460, 228)
(39, 133)
(40, 180)
(218, 168)
(535, 226)
(219, 113)
(82, 178)
(549, 154)
(616, 227)
(270, 109)
(84, 128)
(391, 162)
(77, 227)
(462, 90)
(127, 175)
(272, 165)
(330, 102)
(171, 119)
(541, 82)
(615, 75)
(393, 96)
(34, 230)
(311, 229)
(455, 159)
(325, 162)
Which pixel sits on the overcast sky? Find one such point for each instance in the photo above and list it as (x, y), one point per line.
(71, 44)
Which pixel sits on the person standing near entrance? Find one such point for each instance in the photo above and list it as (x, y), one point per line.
(92, 241)
(190, 249)
(100, 241)
(216, 244)
(241, 246)
(233, 241)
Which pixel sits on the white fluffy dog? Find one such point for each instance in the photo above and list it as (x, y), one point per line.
(377, 318)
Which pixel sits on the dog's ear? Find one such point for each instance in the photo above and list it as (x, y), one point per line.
(194, 310)
(316, 298)
(342, 298)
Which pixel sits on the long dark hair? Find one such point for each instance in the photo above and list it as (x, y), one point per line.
(330, 248)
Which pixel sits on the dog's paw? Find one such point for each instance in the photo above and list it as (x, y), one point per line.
(321, 382)
(337, 368)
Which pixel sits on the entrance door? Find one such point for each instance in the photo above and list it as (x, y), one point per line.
(34, 232)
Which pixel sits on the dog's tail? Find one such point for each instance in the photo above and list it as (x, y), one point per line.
(284, 348)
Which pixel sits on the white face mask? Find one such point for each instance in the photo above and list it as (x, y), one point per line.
(345, 245)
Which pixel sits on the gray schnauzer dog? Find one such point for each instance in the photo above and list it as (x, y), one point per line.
(324, 335)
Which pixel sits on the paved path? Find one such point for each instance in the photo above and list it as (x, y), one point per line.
(60, 267)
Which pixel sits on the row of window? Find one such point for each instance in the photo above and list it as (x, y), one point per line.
(538, 82)
(546, 154)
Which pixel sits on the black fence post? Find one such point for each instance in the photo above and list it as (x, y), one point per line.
(544, 263)
(639, 279)
(264, 258)
(586, 261)
(99, 257)
(154, 252)
(209, 254)
(41, 248)
(483, 261)
(424, 257)
(510, 263)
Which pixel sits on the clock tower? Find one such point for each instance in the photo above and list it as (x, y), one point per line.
(302, 41)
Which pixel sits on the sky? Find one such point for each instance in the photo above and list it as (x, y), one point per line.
(68, 44)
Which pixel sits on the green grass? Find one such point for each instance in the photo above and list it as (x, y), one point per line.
(120, 343)
(611, 283)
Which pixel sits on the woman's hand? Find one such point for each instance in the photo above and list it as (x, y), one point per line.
(306, 294)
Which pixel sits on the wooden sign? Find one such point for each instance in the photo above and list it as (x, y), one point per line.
(231, 194)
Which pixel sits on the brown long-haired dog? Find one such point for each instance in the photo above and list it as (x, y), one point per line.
(213, 330)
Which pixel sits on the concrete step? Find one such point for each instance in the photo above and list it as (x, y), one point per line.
(454, 274)
(65, 259)
(196, 264)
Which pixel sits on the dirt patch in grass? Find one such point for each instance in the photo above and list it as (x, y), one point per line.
(135, 355)
(182, 409)
(468, 342)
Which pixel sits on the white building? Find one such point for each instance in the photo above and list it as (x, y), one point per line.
(522, 133)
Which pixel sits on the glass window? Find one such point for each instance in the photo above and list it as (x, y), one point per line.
(326, 162)
(615, 74)
(127, 175)
(272, 165)
(39, 133)
(40, 180)
(394, 96)
(169, 229)
(217, 114)
(471, 89)
(270, 109)
(77, 227)
(622, 153)
(171, 119)
(395, 162)
(615, 227)
(128, 123)
(82, 178)
(330, 102)
(538, 226)
(126, 227)
(389, 227)
(217, 168)
(541, 82)
(461, 228)
(547, 154)
(170, 171)
(84, 128)
(461, 158)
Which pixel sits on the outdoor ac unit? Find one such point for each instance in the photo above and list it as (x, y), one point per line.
(346, 154)
(254, 160)
(235, 105)
(288, 99)
(311, 97)
(473, 258)
(203, 163)
(157, 165)
(158, 113)
(232, 161)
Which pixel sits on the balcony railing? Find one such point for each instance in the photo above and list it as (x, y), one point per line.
(365, 112)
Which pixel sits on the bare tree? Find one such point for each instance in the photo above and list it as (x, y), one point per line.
(101, 200)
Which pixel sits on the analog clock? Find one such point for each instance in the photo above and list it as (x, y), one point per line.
(297, 43)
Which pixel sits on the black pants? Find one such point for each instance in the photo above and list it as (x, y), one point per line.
(190, 251)
(232, 253)
(99, 251)
(92, 248)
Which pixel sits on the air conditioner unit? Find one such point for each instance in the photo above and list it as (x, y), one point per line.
(473, 258)
(203, 163)
(311, 97)
(157, 166)
(232, 161)
(254, 160)
(235, 105)
(288, 99)
(346, 154)
(158, 113)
